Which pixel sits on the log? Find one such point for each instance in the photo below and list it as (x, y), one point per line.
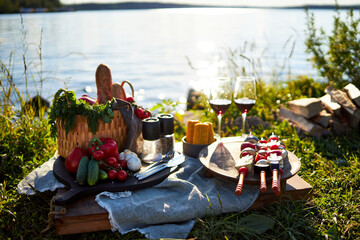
(339, 127)
(306, 107)
(323, 118)
(352, 113)
(308, 126)
(353, 93)
(331, 105)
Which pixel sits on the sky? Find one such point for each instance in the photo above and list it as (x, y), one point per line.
(264, 3)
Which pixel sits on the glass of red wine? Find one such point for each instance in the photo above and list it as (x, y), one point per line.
(245, 96)
(220, 98)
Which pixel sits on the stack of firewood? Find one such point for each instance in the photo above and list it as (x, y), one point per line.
(338, 111)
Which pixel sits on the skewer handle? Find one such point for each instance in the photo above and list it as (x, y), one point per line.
(263, 181)
(239, 186)
(275, 183)
(279, 182)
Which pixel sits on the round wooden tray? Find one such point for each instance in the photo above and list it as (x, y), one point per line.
(76, 191)
(291, 164)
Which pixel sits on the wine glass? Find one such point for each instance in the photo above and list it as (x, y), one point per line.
(245, 96)
(220, 98)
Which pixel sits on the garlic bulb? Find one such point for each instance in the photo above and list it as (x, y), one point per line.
(133, 162)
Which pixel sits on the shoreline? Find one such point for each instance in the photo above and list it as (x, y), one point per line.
(157, 5)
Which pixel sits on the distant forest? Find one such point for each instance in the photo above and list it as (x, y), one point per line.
(14, 6)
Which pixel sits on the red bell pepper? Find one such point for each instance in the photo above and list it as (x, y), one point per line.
(73, 159)
(106, 145)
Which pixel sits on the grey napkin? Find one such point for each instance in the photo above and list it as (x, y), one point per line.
(167, 210)
(41, 178)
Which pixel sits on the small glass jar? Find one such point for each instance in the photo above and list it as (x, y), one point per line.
(167, 132)
(151, 150)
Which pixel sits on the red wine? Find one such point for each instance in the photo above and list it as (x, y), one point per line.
(220, 105)
(244, 104)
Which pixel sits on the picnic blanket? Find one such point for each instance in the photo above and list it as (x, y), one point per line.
(166, 210)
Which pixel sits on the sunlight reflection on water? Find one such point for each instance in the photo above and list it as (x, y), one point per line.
(150, 47)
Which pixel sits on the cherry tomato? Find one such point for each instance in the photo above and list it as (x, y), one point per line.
(130, 99)
(123, 163)
(117, 166)
(139, 112)
(112, 174)
(146, 114)
(98, 155)
(111, 161)
(121, 175)
(102, 166)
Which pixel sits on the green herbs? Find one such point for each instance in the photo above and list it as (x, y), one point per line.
(66, 107)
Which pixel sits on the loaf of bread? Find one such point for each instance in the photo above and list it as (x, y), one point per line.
(103, 83)
(117, 91)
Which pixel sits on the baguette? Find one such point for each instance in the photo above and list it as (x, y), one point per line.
(103, 83)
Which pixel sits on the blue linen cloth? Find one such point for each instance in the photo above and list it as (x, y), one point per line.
(166, 210)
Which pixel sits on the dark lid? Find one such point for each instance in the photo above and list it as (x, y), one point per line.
(166, 124)
(151, 129)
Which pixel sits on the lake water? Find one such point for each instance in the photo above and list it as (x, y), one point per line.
(151, 47)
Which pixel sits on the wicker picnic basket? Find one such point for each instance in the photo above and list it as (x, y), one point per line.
(80, 135)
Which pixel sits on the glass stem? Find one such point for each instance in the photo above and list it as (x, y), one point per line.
(219, 120)
(243, 123)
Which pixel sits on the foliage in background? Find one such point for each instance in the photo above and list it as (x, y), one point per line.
(336, 56)
(14, 6)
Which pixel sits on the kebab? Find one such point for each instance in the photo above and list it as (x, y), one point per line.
(244, 164)
(276, 157)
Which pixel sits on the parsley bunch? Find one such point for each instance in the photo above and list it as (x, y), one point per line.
(65, 107)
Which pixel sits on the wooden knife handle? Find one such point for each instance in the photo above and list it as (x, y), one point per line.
(239, 186)
(263, 181)
(275, 182)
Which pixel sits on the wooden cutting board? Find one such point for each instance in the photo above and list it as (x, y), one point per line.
(76, 191)
(291, 164)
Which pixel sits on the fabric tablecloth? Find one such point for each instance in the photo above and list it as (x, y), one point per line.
(166, 210)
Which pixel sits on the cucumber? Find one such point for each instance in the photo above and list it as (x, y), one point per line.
(93, 172)
(81, 173)
(102, 175)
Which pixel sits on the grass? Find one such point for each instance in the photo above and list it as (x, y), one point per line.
(330, 165)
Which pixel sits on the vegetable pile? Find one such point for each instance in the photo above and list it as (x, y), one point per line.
(101, 161)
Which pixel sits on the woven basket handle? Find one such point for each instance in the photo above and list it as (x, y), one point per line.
(131, 86)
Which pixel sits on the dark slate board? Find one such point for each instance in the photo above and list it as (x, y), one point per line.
(291, 164)
(76, 191)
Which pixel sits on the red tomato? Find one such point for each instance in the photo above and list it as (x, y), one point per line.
(102, 166)
(111, 161)
(129, 99)
(123, 163)
(98, 155)
(139, 112)
(117, 166)
(112, 174)
(146, 114)
(121, 175)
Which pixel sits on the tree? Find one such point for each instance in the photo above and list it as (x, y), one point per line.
(336, 56)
